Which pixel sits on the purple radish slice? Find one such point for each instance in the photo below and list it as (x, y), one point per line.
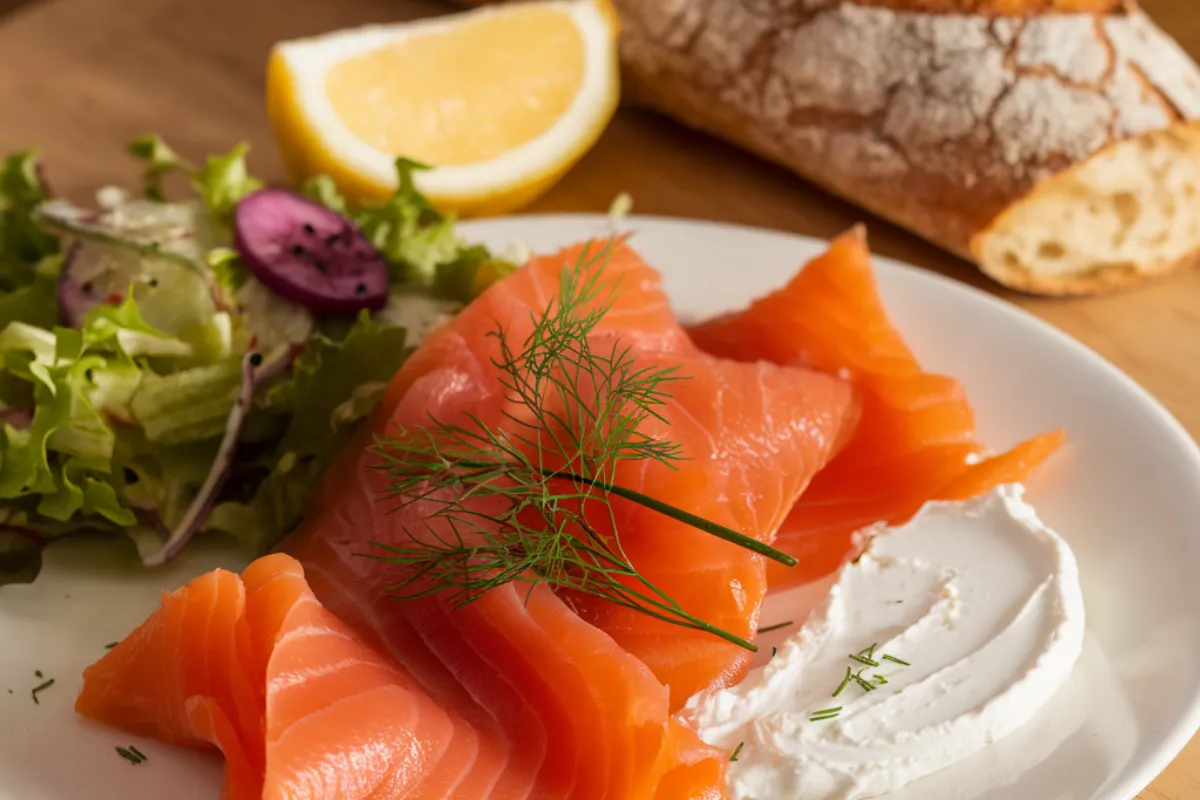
(308, 254)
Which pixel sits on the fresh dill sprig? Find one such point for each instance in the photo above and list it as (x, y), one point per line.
(775, 627)
(529, 500)
(737, 751)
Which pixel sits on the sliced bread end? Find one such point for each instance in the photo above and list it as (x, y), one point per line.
(1128, 213)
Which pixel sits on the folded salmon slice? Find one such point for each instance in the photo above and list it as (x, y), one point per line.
(752, 434)
(303, 708)
(256, 667)
(915, 441)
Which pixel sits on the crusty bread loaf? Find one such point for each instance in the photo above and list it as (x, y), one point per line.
(1058, 151)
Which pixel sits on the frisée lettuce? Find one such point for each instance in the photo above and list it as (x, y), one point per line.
(152, 388)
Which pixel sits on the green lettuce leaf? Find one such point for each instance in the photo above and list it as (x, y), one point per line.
(224, 180)
(414, 238)
(122, 329)
(277, 506)
(228, 270)
(160, 160)
(187, 406)
(334, 384)
(64, 423)
(23, 243)
(81, 379)
(36, 302)
(323, 189)
(270, 319)
(328, 373)
(221, 182)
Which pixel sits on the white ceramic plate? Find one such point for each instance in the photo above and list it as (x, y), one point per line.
(1125, 493)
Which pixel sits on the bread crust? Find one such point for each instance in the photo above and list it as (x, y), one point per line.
(1003, 8)
(936, 122)
(1102, 281)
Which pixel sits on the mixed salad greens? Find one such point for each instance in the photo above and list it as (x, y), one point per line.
(175, 366)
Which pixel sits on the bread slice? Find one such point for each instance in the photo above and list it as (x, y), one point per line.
(1128, 213)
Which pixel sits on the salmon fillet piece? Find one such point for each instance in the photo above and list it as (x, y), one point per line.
(915, 440)
(302, 708)
(752, 435)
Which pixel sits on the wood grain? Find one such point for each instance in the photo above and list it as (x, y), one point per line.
(79, 78)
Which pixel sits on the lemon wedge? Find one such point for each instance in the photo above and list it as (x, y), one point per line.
(500, 102)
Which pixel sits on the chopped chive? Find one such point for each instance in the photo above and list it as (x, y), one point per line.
(40, 687)
(879, 679)
(737, 751)
(770, 628)
(774, 650)
(131, 754)
(110, 645)
(818, 718)
(869, 652)
(870, 662)
(845, 680)
(866, 686)
(886, 657)
(825, 711)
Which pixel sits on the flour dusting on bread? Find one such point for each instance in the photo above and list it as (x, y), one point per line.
(945, 122)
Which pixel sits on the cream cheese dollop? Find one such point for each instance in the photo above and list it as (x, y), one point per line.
(983, 602)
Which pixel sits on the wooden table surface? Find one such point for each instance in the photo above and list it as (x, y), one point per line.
(79, 78)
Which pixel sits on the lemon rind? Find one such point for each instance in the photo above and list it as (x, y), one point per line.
(538, 162)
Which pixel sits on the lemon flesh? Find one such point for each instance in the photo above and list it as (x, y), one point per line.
(456, 98)
(500, 101)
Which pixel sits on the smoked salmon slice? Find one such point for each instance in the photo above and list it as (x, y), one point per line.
(752, 434)
(304, 709)
(915, 440)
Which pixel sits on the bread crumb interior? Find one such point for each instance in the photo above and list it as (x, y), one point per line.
(1135, 207)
